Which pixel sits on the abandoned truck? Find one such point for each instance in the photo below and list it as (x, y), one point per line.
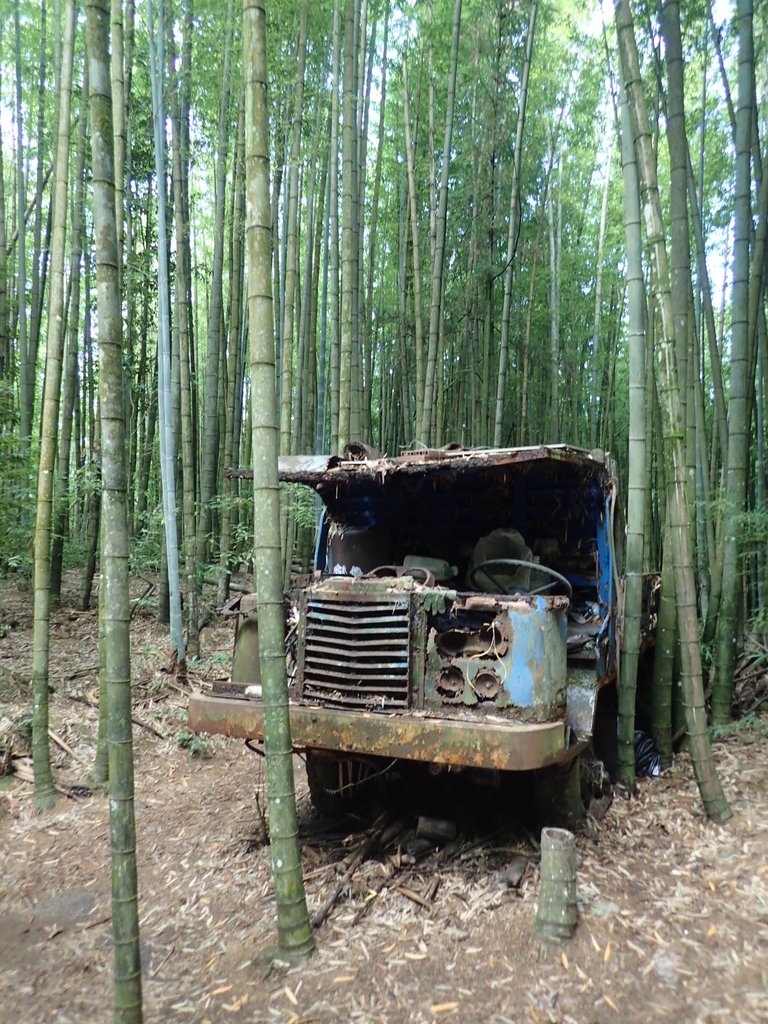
(462, 614)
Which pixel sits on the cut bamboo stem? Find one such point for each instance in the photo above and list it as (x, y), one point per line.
(556, 913)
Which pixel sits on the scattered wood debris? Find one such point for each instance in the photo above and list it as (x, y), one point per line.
(673, 911)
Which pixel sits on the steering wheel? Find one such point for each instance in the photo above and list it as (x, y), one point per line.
(500, 564)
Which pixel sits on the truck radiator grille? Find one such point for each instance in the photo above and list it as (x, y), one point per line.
(356, 654)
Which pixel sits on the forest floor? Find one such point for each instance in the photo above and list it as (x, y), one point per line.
(673, 910)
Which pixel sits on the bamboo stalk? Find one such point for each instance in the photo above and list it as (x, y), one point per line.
(556, 912)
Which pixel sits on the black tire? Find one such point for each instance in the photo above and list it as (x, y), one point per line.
(564, 792)
(559, 797)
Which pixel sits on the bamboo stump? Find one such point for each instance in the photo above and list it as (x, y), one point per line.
(556, 912)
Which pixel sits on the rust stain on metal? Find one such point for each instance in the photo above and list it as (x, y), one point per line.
(315, 470)
(384, 660)
(498, 744)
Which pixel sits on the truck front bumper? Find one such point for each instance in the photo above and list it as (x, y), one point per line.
(487, 743)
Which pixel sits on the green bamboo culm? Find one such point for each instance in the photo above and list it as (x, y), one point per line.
(115, 546)
(45, 790)
(739, 411)
(664, 656)
(165, 426)
(293, 927)
(712, 796)
(636, 497)
(100, 771)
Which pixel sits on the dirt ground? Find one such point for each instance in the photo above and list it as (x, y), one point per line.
(673, 911)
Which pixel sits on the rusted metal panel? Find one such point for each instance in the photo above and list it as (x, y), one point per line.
(364, 643)
(316, 470)
(291, 467)
(355, 653)
(383, 662)
(362, 589)
(583, 687)
(506, 653)
(503, 745)
(245, 662)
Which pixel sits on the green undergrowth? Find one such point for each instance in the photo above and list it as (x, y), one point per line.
(749, 723)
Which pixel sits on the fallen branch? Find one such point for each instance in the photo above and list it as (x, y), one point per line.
(184, 691)
(211, 580)
(396, 865)
(412, 895)
(761, 700)
(363, 851)
(137, 600)
(163, 962)
(22, 768)
(148, 727)
(95, 924)
(81, 672)
(134, 719)
(64, 746)
(240, 589)
(394, 868)
(432, 888)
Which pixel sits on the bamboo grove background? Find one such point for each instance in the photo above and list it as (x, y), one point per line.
(448, 263)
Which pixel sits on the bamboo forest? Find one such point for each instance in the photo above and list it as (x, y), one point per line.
(287, 286)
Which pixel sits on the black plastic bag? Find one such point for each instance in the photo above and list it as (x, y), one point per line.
(647, 756)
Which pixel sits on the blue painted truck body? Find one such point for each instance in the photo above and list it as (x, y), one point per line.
(462, 610)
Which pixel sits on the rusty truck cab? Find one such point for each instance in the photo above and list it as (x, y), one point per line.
(461, 613)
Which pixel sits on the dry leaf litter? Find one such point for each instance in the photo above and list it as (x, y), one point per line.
(673, 911)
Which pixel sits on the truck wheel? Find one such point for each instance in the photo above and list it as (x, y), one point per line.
(338, 784)
(558, 795)
(564, 792)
